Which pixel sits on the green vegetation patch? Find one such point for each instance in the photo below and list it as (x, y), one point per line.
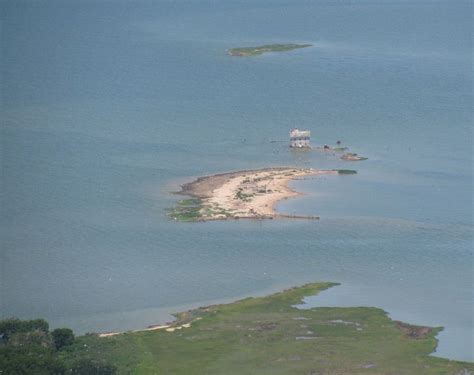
(246, 197)
(345, 171)
(190, 202)
(187, 210)
(193, 209)
(271, 335)
(28, 347)
(254, 51)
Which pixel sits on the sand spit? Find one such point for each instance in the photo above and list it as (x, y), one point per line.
(250, 194)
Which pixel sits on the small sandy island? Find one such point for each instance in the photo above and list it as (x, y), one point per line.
(250, 194)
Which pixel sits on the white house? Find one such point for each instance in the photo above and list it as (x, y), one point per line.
(299, 138)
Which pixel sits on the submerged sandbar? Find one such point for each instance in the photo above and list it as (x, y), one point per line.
(259, 50)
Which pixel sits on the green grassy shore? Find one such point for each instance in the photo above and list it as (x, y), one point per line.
(254, 51)
(269, 335)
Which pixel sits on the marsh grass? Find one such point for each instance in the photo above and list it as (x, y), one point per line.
(270, 335)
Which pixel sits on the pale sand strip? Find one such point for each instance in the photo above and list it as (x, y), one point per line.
(167, 328)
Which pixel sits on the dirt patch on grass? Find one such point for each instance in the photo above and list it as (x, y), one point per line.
(414, 332)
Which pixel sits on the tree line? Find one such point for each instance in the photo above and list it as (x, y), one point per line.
(29, 347)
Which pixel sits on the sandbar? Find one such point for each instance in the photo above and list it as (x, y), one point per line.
(249, 194)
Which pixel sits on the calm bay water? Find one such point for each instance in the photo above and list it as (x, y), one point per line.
(108, 106)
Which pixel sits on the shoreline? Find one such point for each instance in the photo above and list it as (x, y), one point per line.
(246, 194)
(275, 333)
(281, 318)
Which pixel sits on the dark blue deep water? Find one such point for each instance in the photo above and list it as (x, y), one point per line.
(107, 106)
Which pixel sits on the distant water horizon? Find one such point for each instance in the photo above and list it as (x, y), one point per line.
(108, 106)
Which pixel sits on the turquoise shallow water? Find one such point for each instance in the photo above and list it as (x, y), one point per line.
(108, 107)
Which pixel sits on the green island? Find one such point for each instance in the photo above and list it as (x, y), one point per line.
(255, 51)
(264, 335)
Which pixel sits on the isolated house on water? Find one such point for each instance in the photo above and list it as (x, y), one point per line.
(299, 138)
